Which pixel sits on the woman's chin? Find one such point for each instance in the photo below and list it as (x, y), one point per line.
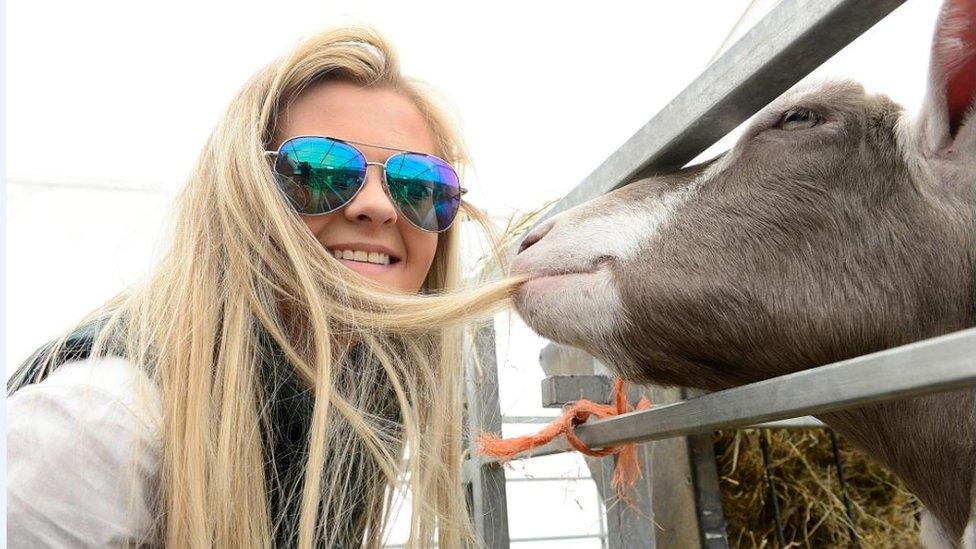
(390, 277)
(373, 271)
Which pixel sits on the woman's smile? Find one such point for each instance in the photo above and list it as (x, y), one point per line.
(369, 260)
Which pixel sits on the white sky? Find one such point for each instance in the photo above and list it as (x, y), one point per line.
(111, 101)
(129, 90)
(144, 83)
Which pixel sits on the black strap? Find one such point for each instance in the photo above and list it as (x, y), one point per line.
(77, 346)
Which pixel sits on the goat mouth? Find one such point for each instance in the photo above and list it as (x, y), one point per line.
(545, 280)
(600, 266)
(565, 280)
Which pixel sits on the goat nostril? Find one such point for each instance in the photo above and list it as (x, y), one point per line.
(536, 235)
(526, 242)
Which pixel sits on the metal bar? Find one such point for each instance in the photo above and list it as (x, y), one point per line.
(630, 522)
(938, 364)
(548, 479)
(792, 40)
(842, 479)
(532, 420)
(771, 483)
(559, 390)
(558, 538)
(674, 492)
(705, 484)
(487, 496)
(603, 518)
(805, 422)
(539, 538)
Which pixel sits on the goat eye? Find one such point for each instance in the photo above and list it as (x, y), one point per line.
(799, 119)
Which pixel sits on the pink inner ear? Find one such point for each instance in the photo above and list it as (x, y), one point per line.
(958, 28)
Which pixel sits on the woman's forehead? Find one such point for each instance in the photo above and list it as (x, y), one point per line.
(375, 115)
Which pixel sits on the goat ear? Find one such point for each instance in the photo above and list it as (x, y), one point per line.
(951, 99)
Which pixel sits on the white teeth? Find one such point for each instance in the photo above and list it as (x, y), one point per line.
(365, 257)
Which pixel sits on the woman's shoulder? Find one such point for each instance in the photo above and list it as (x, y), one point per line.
(77, 384)
(83, 455)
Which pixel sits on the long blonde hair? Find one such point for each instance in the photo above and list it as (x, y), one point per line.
(239, 259)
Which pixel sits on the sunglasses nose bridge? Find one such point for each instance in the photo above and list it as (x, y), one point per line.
(381, 166)
(388, 197)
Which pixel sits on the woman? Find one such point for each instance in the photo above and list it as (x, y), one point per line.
(275, 378)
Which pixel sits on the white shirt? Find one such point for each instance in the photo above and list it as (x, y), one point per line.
(83, 457)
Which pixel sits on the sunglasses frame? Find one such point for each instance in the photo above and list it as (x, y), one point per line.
(386, 183)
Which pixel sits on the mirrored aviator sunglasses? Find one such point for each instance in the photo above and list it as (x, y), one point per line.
(319, 175)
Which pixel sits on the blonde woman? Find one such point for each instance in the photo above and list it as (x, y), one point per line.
(276, 377)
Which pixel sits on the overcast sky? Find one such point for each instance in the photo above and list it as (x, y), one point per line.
(128, 91)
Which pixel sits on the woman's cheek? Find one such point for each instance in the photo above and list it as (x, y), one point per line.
(421, 249)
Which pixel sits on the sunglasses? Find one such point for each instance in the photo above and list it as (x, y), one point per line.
(320, 174)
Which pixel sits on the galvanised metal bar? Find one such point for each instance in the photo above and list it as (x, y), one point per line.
(842, 480)
(938, 364)
(557, 538)
(705, 484)
(548, 479)
(534, 420)
(486, 483)
(805, 422)
(771, 484)
(525, 540)
(793, 39)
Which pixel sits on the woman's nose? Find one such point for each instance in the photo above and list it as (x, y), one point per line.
(372, 205)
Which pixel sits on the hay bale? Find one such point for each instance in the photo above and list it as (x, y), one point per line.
(810, 500)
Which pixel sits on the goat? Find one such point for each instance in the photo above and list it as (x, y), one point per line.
(836, 226)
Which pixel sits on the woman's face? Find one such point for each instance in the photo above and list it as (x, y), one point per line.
(369, 223)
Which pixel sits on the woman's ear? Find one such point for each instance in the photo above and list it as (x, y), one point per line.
(947, 117)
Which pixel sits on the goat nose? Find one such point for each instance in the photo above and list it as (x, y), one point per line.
(536, 234)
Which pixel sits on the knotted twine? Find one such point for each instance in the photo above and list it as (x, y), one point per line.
(628, 470)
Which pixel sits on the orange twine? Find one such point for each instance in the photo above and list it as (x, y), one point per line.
(627, 472)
